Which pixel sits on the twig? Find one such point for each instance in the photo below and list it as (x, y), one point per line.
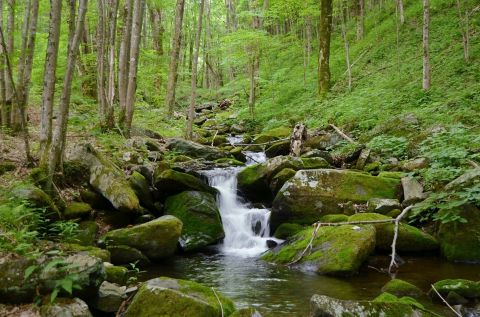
(309, 245)
(218, 299)
(343, 135)
(213, 140)
(473, 163)
(265, 143)
(250, 157)
(448, 305)
(395, 237)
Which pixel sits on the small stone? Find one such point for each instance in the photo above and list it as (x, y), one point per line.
(110, 297)
(271, 244)
(412, 191)
(383, 205)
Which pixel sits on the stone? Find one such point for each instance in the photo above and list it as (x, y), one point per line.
(410, 239)
(123, 254)
(396, 175)
(198, 211)
(93, 251)
(465, 288)
(170, 182)
(110, 297)
(324, 306)
(115, 274)
(278, 148)
(310, 194)
(465, 180)
(335, 250)
(460, 241)
(412, 191)
(362, 159)
(85, 234)
(157, 239)
(36, 198)
(77, 210)
(323, 141)
(66, 307)
(246, 312)
(401, 288)
(287, 230)
(383, 205)
(94, 199)
(140, 186)
(335, 218)
(171, 297)
(281, 178)
(319, 153)
(193, 149)
(415, 164)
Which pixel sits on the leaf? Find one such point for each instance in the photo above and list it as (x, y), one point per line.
(52, 264)
(54, 295)
(67, 285)
(29, 271)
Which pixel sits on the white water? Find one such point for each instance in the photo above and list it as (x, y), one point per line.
(246, 229)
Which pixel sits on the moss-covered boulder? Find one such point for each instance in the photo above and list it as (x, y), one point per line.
(246, 312)
(36, 197)
(322, 141)
(278, 148)
(170, 297)
(334, 218)
(170, 182)
(401, 288)
(110, 297)
(287, 230)
(322, 306)
(311, 194)
(123, 254)
(65, 307)
(193, 149)
(115, 274)
(140, 186)
(465, 288)
(200, 216)
(70, 248)
(77, 210)
(410, 239)
(383, 205)
(85, 234)
(460, 241)
(281, 178)
(335, 250)
(157, 239)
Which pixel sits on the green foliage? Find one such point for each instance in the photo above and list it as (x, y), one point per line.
(389, 146)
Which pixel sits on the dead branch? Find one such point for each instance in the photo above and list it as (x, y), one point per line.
(218, 299)
(265, 143)
(213, 140)
(395, 237)
(343, 135)
(448, 305)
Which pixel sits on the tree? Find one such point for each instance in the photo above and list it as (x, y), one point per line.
(361, 19)
(401, 11)
(174, 56)
(4, 106)
(465, 30)
(426, 50)
(344, 13)
(198, 34)
(324, 53)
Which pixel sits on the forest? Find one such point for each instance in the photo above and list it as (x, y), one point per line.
(242, 158)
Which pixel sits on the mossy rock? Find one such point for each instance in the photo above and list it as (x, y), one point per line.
(180, 159)
(460, 242)
(102, 254)
(123, 254)
(322, 142)
(200, 216)
(287, 230)
(246, 312)
(171, 182)
(372, 167)
(77, 210)
(334, 218)
(229, 161)
(7, 167)
(279, 132)
(237, 153)
(278, 148)
(36, 198)
(85, 234)
(140, 186)
(65, 307)
(116, 274)
(400, 288)
(311, 194)
(94, 199)
(335, 250)
(386, 297)
(281, 178)
(193, 149)
(157, 239)
(394, 175)
(465, 288)
(170, 297)
(410, 239)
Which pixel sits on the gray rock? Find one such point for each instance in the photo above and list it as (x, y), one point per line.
(193, 149)
(412, 191)
(362, 159)
(110, 297)
(383, 205)
(123, 254)
(415, 164)
(465, 180)
(64, 307)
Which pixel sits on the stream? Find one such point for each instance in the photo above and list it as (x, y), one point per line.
(234, 268)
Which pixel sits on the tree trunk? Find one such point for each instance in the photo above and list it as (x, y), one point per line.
(124, 58)
(401, 11)
(361, 19)
(101, 60)
(426, 51)
(59, 137)
(4, 107)
(49, 78)
(324, 54)
(193, 96)
(110, 98)
(465, 30)
(347, 45)
(174, 55)
(10, 47)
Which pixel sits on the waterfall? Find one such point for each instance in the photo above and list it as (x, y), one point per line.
(246, 229)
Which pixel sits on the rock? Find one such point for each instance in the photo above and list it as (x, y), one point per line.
(459, 241)
(334, 218)
(414, 165)
(170, 297)
(465, 288)
(401, 288)
(145, 218)
(237, 153)
(65, 307)
(287, 230)
(465, 180)
(36, 198)
(157, 239)
(115, 274)
(246, 312)
(77, 210)
(123, 254)
(102, 254)
(170, 182)
(192, 149)
(110, 297)
(278, 148)
(410, 239)
(362, 159)
(319, 153)
(395, 175)
(335, 250)
(383, 206)
(311, 194)
(454, 299)
(237, 128)
(323, 141)
(271, 244)
(200, 216)
(227, 162)
(86, 233)
(412, 191)
(281, 178)
(400, 125)
(95, 200)
(140, 186)
(324, 306)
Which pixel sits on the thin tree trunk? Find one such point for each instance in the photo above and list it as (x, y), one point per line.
(10, 47)
(101, 60)
(347, 45)
(124, 58)
(174, 56)
(426, 50)
(324, 54)
(110, 98)
(401, 11)
(4, 107)
(361, 19)
(465, 30)
(193, 95)
(49, 78)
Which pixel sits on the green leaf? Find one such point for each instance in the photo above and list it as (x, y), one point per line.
(67, 285)
(29, 271)
(54, 295)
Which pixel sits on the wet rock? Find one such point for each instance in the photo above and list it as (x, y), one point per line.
(410, 239)
(110, 297)
(170, 297)
(141, 188)
(287, 230)
(65, 307)
(335, 250)
(116, 274)
(200, 216)
(383, 206)
(123, 254)
(401, 288)
(465, 288)
(412, 191)
(278, 148)
(193, 149)
(77, 210)
(157, 239)
(281, 178)
(170, 182)
(311, 194)
(271, 244)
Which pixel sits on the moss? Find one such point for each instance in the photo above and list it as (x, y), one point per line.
(198, 211)
(334, 218)
(287, 230)
(170, 182)
(371, 167)
(278, 148)
(280, 132)
(394, 175)
(281, 178)
(102, 254)
(237, 153)
(394, 213)
(77, 210)
(178, 298)
(229, 161)
(390, 298)
(180, 158)
(122, 254)
(116, 274)
(399, 287)
(252, 182)
(335, 250)
(464, 288)
(140, 186)
(86, 233)
(314, 162)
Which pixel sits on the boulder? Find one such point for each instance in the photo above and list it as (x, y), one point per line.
(102, 254)
(383, 205)
(36, 198)
(278, 148)
(85, 234)
(402, 288)
(319, 153)
(66, 307)
(415, 164)
(460, 241)
(324, 306)
(200, 216)
(281, 178)
(323, 141)
(287, 230)
(140, 186)
(412, 191)
(193, 149)
(157, 239)
(465, 180)
(115, 274)
(410, 239)
(110, 297)
(335, 250)
(170, 182)
(123, 254)
(335, 218)
(311, 194)
(171, 297)
(465, 288)
(77, 210)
